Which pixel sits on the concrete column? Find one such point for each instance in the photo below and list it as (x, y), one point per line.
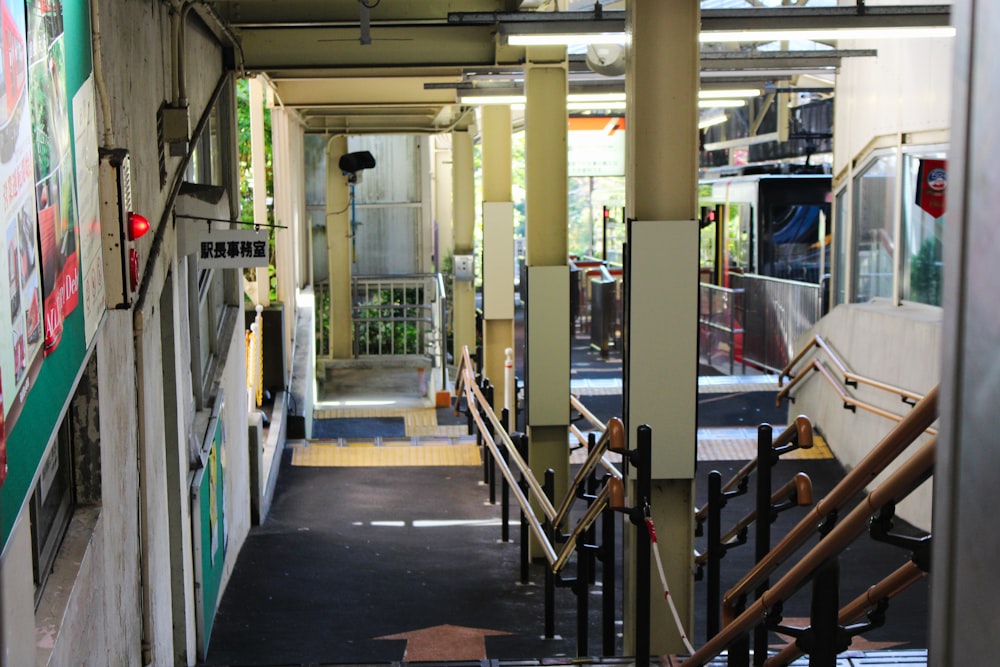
(547, 337)
(443, 215)
(338, 248)
(662, 82)
(498, 244)
(464, 212)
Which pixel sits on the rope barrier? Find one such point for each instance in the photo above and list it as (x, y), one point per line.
(663, 580)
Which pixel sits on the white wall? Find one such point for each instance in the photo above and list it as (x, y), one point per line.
(906, 89)
(895, 345)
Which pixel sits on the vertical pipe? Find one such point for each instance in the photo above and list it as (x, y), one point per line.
(492, 469)
(765, 462)
(713, 587)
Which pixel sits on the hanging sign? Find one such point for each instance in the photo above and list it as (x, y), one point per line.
(225, 248)
(932, 184)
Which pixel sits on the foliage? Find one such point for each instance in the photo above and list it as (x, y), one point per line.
(388, 323)
(245, 162)
(925, 273)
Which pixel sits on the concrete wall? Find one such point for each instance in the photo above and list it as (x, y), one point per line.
(112, 602)
(900, 346)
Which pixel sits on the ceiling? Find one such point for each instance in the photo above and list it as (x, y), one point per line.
(398, 66)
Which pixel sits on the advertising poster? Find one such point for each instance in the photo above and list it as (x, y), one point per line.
(54, 185)
(596, 146)
(91, 258)
(21, 300)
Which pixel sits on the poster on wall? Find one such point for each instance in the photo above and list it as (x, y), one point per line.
(596, 146)
(91, 257)
(21, 300)
(54, 185)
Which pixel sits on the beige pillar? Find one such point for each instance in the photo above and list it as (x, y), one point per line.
(464, 214)
(661, 354)
(498, 322)
(338, 246)
(547, 337)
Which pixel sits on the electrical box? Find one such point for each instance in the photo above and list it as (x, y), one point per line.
(115, 183)
(464, 268)
(176, 129)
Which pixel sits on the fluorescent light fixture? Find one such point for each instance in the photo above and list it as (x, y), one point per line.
(825, 34)
(566, 39)
(717, 119)
(596, 97)
(731, 93)
(721, 104)
(479, 100)
(601, 106)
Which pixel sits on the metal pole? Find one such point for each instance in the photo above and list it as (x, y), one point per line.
(644, 487)
(504, 490)
(608, 580)
(582, 590)
(521, 442)
(713, 573)
(550, 580)
(824, 622)
(766, 459)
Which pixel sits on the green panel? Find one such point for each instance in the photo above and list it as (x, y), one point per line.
(210, 531)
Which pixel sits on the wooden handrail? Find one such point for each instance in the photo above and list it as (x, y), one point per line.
(798, 487)
(886, 451)
(897, 486)
(894, 584)
(614, 435)
(848, 375)
(798, 434)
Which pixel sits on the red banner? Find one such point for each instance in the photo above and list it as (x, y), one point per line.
(932, 184)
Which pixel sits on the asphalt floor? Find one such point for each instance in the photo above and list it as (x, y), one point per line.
(368, 565)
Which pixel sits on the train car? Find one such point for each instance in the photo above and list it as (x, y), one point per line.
(765, 262)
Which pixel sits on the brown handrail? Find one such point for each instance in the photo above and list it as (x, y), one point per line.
(886, 451)
(894, 584)
(614, 435)
(799, 487)
(897, 486)
(799, 434)
(847, 374)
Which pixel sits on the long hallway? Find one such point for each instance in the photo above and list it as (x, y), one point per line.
(372, 554)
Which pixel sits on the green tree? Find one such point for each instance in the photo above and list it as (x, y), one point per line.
(245, 161)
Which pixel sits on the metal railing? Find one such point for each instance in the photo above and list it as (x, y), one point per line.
(719, 328)
(837, 537)
(487, 422)
(775, 314)
(391, 316)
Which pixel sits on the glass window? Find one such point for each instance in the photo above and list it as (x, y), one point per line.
(873, 243)
(840, 249)
(51, 502)
(923, 225)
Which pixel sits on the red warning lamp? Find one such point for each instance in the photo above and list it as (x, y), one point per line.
(137, 226)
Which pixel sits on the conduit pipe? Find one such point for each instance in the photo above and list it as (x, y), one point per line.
(102, 88)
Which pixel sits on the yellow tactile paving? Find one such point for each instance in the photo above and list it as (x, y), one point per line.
(423, 455)
(718, 448)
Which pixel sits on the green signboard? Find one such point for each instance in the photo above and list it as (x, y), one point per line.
(208, 509)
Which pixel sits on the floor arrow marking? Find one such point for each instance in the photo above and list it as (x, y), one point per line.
(445, 642)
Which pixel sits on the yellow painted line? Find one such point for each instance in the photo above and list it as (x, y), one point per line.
(743, 449)
(373, 457)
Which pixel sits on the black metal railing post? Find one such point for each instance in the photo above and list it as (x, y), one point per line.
(608, 580)
(492, 470)
(548, 487)
(766, 458)
(521, 442)
(713, 573)
(504, 485)
(644, 487)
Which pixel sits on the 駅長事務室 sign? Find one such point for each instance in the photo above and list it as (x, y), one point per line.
(226, 248)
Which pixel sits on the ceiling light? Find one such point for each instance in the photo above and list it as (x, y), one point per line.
(825, 34)
(721, 104)
(717, 119)
(566, 39)
(730, 93)
(477, 100)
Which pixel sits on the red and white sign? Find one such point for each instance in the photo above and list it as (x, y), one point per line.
(932, 184)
